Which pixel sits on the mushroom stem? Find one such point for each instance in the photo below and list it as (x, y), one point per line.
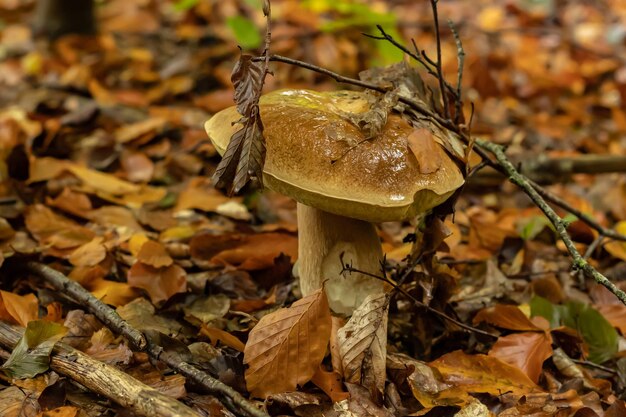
(323, 237)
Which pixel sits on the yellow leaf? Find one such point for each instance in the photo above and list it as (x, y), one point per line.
(615, 247)
(89, 254)
(19, 309)
(287, 346)
(220, 335)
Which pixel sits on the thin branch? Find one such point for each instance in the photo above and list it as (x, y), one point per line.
(105, 380)
(460, 53)
(440, 77)
(236, 403)
(349, 268)
(75, 291)
(560, 225)
(485, 149)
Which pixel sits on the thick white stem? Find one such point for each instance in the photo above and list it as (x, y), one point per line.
(323, 237)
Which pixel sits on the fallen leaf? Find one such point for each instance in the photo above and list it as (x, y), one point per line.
(206, 309)
(526, 351)
(199, 194)
(218, 335)
(140, 313)
(89, 254)
(505, 316)
(113, 292)
(450, 379)
(154, 254)
(64, 411)
(19, 309)
(615, 247)
(258, 251)
(424, 148)
(16, 402)
(103, 347)
(160, 283)
(31, 355)
(287, 346)
(330, 383)
(363, 343)
(133, 131)
(50, 228)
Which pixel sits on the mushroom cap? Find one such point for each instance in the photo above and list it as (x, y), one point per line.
(318, 157)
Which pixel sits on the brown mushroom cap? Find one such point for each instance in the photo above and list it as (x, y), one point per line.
(378, 180)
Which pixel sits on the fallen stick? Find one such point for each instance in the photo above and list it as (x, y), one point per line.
(233, 400)
(105, 380)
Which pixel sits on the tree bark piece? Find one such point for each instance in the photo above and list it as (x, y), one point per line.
(105, 380)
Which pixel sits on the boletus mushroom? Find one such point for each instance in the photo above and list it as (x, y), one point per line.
(342, 182)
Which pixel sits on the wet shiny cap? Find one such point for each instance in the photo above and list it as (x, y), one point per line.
(318, 157)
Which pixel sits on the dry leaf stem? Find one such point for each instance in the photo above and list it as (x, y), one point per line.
(105, 380)
(233, 400)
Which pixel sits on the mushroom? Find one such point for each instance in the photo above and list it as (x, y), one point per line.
(342, 181)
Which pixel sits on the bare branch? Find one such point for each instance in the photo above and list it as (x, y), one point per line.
(440, 77)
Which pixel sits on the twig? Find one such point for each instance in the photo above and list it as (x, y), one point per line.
(484, 149)
(560, 225)
(74, 290)
(595, 365)
(440, 77)
(105, 380)
(349, 268)
(460, 54)
(236, 402)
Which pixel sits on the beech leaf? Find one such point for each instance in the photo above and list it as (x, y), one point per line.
(31, 355)
(526, 351)
(247, 78)
(362, 343)
(287, 346)
(506, 317)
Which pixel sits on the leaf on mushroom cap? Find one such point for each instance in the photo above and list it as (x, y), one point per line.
(318, 157)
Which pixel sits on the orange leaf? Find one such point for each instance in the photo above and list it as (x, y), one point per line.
(330, 383)
(226, 338)
(50, 228)
(201, 195)
(89, 254)
(154, 254)
(450, 379)
(259, 251)
(615, 314)
(424, 147)
(19, 309)
(526, 351)
(112, 292)
(287, 346)
(505, 316)
(160, 283)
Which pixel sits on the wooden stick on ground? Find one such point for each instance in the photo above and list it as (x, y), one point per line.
(233, 400)
(105, 380)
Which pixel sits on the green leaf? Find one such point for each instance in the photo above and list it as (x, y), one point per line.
(539, 306)
(245, 31)
(31, 355)
(599, 335)
(184, 5)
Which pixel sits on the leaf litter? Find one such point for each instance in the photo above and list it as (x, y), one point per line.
(112, 190)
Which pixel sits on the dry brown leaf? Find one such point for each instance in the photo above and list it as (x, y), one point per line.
(258, 251)
(505, 316)
(363, 343)
(287, 346)
(115, 216)
(424, 147)
(89, 254)
(19, 309)
(50, 228)
(526, 351)
(133, 131)
(160, 283)
(154, 254)
(201, 195)
(138, 167)
(105, 348)
(64, 411)
(6, 231)
(71, 202)
(450, 379)
(112, 292)
(330, 383)
(219, 335)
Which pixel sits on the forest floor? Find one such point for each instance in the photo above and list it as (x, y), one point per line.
(105, 174)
